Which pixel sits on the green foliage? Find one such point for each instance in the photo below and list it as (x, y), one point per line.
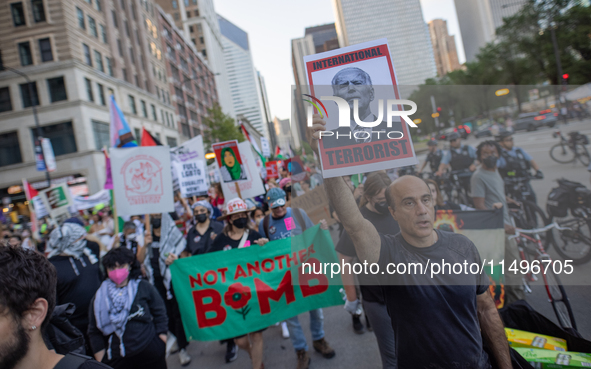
(220, 127)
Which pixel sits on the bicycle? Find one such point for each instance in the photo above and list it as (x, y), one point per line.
(571, 149)
(453, 187)
(533, 246)
(527, 214)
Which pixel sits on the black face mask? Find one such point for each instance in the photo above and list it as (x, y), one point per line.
(240, 223)
(382, 207)
(201, 218)
(490, 161)
(156, 222)
(287, 189)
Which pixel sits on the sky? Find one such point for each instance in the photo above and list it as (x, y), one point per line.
(271, 25)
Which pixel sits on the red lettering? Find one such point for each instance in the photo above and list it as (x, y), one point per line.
(215, 306)
(268, 269)
(210, 273)
(280, 261)
(266, 293)
(222, 272)
(239, 272)
(305, 279)
(294, 259)
(311, 250)
(302, 254)
(194, 281)
(256, 268)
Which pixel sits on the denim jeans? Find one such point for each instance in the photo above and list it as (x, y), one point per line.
(296, 332)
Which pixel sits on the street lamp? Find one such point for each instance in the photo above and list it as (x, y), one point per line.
(34, 106)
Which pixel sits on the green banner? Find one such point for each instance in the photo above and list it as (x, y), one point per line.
(230, 293)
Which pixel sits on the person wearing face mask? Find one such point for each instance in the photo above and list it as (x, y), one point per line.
(128, 321)
(129, 239)
(488, 192)
(373, 207)
(201, 236)
(257, 216)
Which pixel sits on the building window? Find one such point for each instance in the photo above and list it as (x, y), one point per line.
(154, 115)
(193, 41)
(177, 16)
(101, 134)
(29, 97)
(24, 50)
(136, 80)
(114, 19)
(191, 29)
(99, 5)
(124, 72)
(196, 11)
(126, 28)
(89, 90)
(45, 50)
(57, 89)
(101, 91)
(144, 109)
(123, 4)
(201, 40)
(132, 105)
(98, 58)
(87, 56)
(204, 53)
(120, 47)
(80, 14)
(18, 14)
(92, 27)
(38, 11)
(133, 13)
(188, 14)
(103, 34)
(174, 4)
(131, 55)
(10, 151)
(157, 136)
(109, 66)
(162, 116)
(137, 134)
(167, 119)
(61, 136)
(186, 130)
(171, 141)
(5, 103)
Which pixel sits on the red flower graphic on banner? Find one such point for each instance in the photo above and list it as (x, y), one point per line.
(237, 298)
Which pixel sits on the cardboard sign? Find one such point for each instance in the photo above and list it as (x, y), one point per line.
(57, 201)
(361, 75)
(315, 204)
(191, 177)
(142, 180)
(253, 185)
(272, 170)
(229, 161)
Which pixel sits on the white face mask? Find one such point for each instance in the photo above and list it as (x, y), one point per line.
(131, 237)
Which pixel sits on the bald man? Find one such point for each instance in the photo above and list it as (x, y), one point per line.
(439, 321)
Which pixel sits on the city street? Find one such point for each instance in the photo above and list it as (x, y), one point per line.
(361, 350)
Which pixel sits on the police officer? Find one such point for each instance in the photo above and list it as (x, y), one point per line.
(459, 157)
(433, 158)
(515, 162)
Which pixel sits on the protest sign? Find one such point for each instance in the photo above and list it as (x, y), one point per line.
(89, 202)
(189, 151)
(229, 161)
(272, 170)
(56, 201)
(191, 177)
(253, 185)
(265, 147)
(354, 88)
(485, 228)
(315, 204)
(142, 180)
(226, 294)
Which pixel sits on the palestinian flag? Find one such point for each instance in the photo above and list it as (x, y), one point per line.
(148, 139)
(253, 143)
(487, 230)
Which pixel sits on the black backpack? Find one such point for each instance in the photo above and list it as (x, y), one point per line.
(568, 195)
(61, 335)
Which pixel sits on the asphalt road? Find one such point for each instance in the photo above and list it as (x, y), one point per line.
(360, 351)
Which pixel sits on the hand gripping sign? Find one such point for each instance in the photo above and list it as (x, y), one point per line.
(355, 90)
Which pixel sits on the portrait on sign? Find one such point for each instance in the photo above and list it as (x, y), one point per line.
(229, 161)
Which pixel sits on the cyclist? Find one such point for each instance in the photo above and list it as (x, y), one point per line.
(459, 157)
(433, 158)
(515, 162)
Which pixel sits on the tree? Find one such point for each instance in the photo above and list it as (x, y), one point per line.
(220, 127)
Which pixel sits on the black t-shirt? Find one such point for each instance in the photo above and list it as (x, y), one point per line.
(154, 259)
(77, 282)
(199, 243)
(224, 242)
(435, 320)
(368, 283)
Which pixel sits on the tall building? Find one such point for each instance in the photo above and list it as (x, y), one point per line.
(401, 22)
(198, 20)
(76, 54)
(247, 98)
(444, 47)
(190, 81)
(480, 18)
(324, 36)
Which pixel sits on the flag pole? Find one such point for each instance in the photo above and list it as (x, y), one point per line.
(238, 189)
(113, 203)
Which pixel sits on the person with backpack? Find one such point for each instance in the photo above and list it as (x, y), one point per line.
(283, 222)
(128, 322)
(28, 295)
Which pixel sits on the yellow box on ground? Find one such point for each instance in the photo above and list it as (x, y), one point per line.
(547, 359)
(519, 338)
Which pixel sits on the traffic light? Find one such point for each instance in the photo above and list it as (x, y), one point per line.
(438, 109)
(565, 76)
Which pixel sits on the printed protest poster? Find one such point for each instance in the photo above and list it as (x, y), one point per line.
(272, 170)
(57, 201)
(229, 161)
(191, 177)
(226, 294)
(486, 229)
(89, 202)
(353, 89)
(253, 185)
(187, 152)
(142, 180)
(265, 147)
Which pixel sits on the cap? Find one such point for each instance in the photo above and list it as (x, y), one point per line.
(432, 143)
(452, 136)
(284, 182)
(275, 198)
(503, 134)
(235, 206)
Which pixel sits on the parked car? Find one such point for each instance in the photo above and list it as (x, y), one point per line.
(484, 130)
(547, 118)
(526, 121)
(445, 133)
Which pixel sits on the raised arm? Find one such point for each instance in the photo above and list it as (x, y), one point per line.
(492, 330)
